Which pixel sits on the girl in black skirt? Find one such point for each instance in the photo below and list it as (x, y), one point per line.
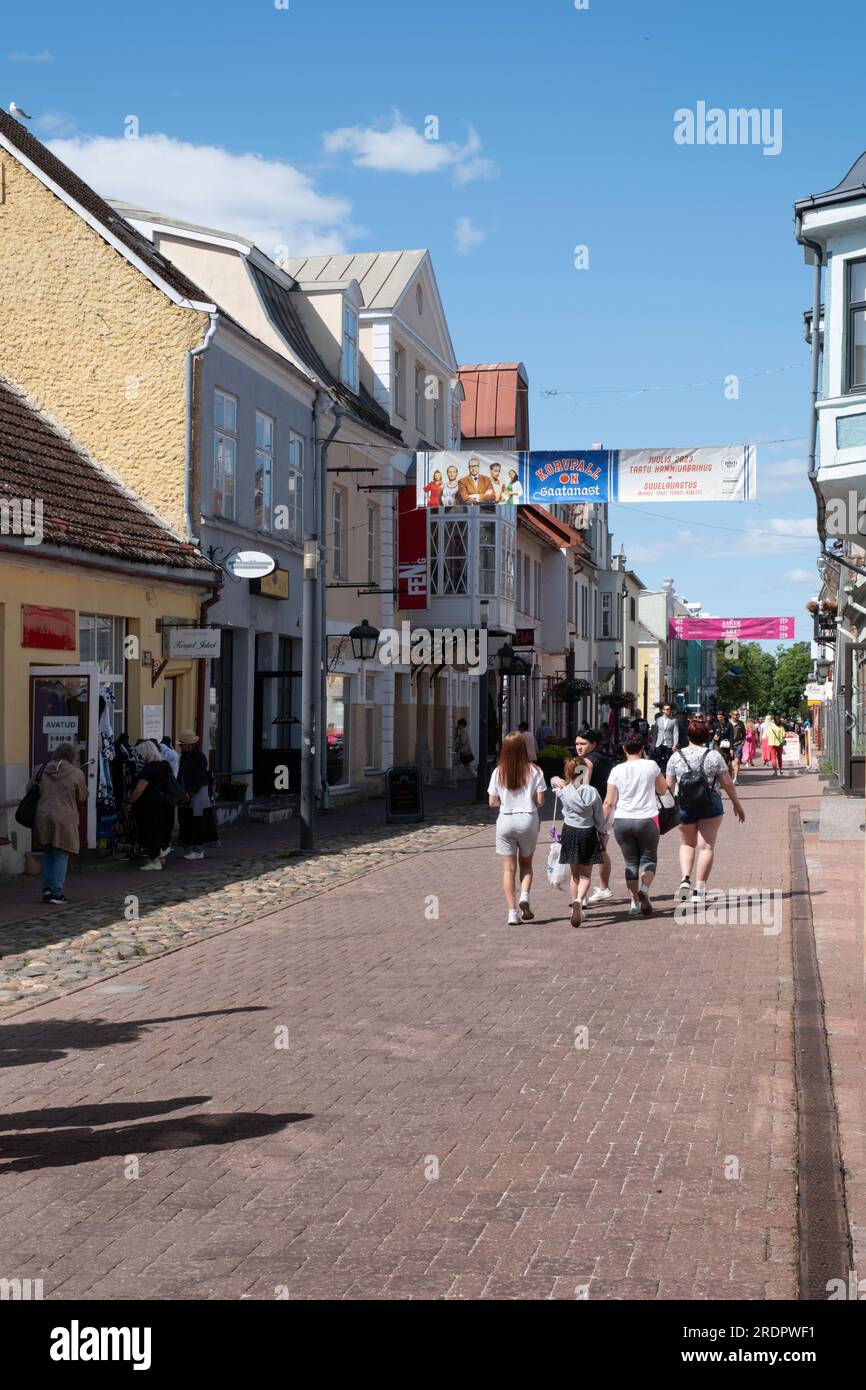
(583, 833)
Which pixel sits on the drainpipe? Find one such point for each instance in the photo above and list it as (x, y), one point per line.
(203, 666)
(323, 402)
(813, 401)
(188, 459)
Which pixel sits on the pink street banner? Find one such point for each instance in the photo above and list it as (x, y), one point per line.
(729, 629)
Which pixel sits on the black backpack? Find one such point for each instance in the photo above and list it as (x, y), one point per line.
(693, 788)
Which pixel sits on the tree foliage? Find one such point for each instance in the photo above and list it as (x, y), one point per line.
(792, 671)
(745, 678)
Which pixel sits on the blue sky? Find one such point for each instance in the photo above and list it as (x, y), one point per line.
(555, 130)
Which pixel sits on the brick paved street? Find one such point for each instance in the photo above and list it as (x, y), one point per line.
(415, 1045)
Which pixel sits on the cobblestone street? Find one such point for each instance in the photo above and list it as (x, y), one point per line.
(338, 1094)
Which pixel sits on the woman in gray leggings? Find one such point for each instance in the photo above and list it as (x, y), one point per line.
(631, 803)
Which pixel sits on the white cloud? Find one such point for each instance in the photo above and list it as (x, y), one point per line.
(52, 124)
(42, 57)
(467, 235)
(783, 475)
(401, 149)
(266, 200)
(801, 577)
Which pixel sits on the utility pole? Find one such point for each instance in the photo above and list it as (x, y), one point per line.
(481, 768)
(309, 680)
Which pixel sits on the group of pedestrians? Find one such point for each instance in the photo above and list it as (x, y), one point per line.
(661, 780)
(155, 780)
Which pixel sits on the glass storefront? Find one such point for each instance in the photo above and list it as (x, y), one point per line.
(337, 720)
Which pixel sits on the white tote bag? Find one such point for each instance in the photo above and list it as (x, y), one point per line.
(558, 875)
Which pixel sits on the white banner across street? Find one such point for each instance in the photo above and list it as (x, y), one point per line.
(714, 474)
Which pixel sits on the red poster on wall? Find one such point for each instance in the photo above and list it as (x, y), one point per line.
(411, 550)
(51, 629)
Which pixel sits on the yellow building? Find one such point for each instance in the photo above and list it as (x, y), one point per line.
(91, 585)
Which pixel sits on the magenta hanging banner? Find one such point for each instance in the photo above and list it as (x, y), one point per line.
(729, 629)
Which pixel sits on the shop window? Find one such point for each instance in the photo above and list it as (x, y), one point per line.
(100, 643)
(221, 676)
(337, 719)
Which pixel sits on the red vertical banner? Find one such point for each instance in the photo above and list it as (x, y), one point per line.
(411, 550)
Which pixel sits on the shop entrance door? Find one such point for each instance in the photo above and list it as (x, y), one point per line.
(64, 708)
(277, 732)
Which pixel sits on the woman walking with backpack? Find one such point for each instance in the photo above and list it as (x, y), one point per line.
(517, 788)
(694, 774)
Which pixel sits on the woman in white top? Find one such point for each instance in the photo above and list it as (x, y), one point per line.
(631, 804)
(517, 788)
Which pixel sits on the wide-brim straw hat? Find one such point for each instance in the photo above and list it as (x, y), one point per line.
(188, 737)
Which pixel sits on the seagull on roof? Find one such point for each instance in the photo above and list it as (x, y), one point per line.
(16, 111)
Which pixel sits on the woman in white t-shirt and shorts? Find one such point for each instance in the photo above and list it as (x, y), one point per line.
(631, 804)
(517, 788)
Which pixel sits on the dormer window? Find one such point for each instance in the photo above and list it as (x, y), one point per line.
(349, 372)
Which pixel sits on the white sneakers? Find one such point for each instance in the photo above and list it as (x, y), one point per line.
(599, 894)
(194, 854)
(152, 866)
(514, 917)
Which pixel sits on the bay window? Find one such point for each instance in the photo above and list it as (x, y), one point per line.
(857, 326)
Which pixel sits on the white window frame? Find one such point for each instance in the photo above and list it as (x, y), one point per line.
(399, 382)
(225, 450)
(437, 413)
(420, 407)
(349, 365)
(606, 620)
(115, 678)
(295, 488)
(338, 534)
(372, 534)
(263, 519)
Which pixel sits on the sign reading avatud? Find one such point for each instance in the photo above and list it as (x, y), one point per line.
(199, 642)
(731, 629)
(725, 473)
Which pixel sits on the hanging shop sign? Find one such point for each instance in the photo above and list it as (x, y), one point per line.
(273, 585)
(51, 629)
(411, 549)
(197, 642)
(726, 473)
(732, 629)
(249, 564)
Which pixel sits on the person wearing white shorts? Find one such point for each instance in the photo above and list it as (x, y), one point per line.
(517, 788)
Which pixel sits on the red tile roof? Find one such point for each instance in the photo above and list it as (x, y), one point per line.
(83, 508)
(496, 403)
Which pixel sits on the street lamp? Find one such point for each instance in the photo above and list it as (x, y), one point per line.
(364, 639)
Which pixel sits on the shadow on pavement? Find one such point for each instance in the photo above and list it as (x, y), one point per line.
(50, 1039)
(110, 1113)
(68, 1147)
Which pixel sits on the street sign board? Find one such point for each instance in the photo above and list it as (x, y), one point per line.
(404, 797)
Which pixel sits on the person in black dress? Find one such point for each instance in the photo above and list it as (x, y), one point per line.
(154, 814)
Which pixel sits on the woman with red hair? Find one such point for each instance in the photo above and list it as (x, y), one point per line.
(517, 788)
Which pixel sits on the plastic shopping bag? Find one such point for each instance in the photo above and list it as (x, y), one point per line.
(558, 875)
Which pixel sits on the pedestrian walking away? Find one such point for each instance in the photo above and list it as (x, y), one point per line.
(776, 732)
(695, 774)
(584, 833)
(738, 739)
(517, 788)
(196, 823)
(763, 732)
(632, 788)
(529, 739)
(153, 799)
(587, 746)
(62, 789)
(463, 748)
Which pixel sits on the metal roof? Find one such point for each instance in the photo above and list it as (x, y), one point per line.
(382, 275)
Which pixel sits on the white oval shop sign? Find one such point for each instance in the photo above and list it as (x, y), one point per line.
(250, 564)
